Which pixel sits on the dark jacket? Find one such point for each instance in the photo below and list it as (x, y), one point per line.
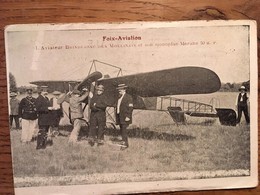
(244, 99)
(27, 108)
(56, 113)
(98, 103)
(125, 110)
(44, 115)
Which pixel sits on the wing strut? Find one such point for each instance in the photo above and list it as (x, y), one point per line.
(93, 66)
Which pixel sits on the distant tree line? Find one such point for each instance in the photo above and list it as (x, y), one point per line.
(234, 87)
(12, 83)
(13, 86)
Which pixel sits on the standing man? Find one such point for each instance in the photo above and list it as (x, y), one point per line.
(76, 112)
(44, 120)
(98, 105)
(242, 104)
(57, 112)
(27, 111)
(14, 110)
(124, 110)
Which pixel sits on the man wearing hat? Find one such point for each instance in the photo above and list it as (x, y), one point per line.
(76, 112)
(242, 105)
(14, 110)
(27, 111)
(124, 110)
(44, 119)
(98, 105)
(56, 112)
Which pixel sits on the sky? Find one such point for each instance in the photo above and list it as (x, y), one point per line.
(60, 54)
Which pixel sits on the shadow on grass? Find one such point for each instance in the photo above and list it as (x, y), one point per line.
(150, 135)
(198, 121)
(208, 122)
(134, 133)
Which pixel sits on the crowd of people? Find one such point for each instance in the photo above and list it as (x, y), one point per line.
(40, 116)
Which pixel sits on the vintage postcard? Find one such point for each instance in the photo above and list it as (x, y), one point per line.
(114, 108)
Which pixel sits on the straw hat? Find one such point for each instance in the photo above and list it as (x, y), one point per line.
(242, 88)
(121, 86)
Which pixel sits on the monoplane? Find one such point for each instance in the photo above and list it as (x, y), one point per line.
(155, 90)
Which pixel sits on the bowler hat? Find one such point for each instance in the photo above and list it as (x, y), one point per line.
(242, 88)
(121, 86)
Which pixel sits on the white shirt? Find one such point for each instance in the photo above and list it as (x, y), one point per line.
(119, 103)
(56, 106)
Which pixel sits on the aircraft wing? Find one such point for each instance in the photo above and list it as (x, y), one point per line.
(68, 85)
(175, 81)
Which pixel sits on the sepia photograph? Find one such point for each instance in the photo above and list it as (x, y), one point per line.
(115, 108)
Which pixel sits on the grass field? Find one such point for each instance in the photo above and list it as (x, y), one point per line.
(186, 148)
(158, 148)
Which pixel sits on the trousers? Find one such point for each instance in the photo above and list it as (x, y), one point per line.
(97, 124)
(77, 123)
(29, 127)
(16, 120)
(243, 109)
(123, 131)
(42, 136)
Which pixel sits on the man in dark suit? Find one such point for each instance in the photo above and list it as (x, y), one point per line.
(124, 110)
(98, 105)
(242, 105)
(44, 119)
